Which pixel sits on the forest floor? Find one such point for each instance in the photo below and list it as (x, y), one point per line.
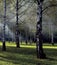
(26, 55)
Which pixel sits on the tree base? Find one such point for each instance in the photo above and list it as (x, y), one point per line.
(18, 46)
(4, 47)
(52, 44)
(41, 55)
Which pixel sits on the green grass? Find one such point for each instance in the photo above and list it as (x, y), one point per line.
(26, 55)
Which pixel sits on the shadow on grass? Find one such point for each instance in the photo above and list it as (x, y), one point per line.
(22, 50)
(19, 55)
(52, 59)
(19, 60)
(51, 54)
(26, 56)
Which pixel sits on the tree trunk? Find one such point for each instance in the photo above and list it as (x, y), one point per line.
(26, 40)
(40, 53)
(52, 41)
(4, 47)
(17, 27)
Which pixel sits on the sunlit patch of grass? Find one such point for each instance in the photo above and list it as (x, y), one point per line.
(27, 46)
(50, 46)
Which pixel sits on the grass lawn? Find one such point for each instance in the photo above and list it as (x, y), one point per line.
(26, 55)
